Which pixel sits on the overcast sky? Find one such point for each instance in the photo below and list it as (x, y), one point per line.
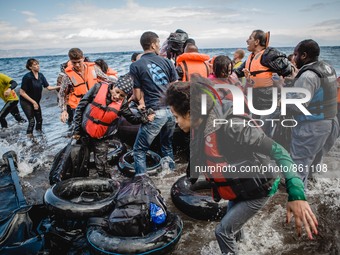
(110, 25)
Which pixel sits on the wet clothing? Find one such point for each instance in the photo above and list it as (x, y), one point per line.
(33, 88)
(11, 102)
(152, 74)
(316, 134)
(12, 108)
(236, 142)
(100, 146)
(34, 116)
(232, 223)
(163, 124)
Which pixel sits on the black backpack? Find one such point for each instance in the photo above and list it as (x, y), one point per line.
(276, 61)
(132, 215)
(175, 44)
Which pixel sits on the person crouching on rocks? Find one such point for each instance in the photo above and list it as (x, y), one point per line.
(97, 115)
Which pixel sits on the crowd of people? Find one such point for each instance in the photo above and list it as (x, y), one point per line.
(167, 81)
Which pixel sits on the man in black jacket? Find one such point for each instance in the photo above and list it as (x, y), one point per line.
(98, 113)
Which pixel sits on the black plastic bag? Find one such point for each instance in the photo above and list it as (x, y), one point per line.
(132, 216)
(71, 161)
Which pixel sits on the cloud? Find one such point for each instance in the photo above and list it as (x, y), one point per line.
(119, 27)
(314, 7)
(28, 13)
(30, 17)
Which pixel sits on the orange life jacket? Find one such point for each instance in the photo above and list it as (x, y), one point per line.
(100, 119)
(193, 63)
(80, 84)
(111, 72)
(259, 74)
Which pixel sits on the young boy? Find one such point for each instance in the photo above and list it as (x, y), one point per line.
(97, 116)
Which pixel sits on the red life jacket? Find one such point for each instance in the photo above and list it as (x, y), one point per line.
(99, 119)
(214, 158)
(255, 186)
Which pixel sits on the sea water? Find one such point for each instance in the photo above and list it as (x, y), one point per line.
(266, 233)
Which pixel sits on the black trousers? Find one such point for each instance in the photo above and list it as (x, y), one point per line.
(34, 117)
(12, 108)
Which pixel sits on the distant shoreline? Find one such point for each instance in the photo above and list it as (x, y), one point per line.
(22, 53)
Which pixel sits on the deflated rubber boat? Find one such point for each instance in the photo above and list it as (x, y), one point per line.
(81, 197)
(160, 241)
(189, 198)
(153, 165)
(19, 221)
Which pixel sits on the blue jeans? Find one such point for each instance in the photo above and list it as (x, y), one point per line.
(238, 214)
(163, 124)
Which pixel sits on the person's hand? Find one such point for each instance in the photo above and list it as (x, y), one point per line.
(64, 116)
(141, 107)
(35, 105)
(303, 216)
(246, 73)
(76, 137)
(151, 117)
(7, 92)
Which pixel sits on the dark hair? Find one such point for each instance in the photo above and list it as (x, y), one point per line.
(63, 66)
(102, 64)
(309, 46)
(189, 41)
(147, 39)
(134, 56)
(75, 53)
(190, 48)
(186, 96)
(221, 66)
(199, 86)
(261, 36)
(178, 96)
(30, 62)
